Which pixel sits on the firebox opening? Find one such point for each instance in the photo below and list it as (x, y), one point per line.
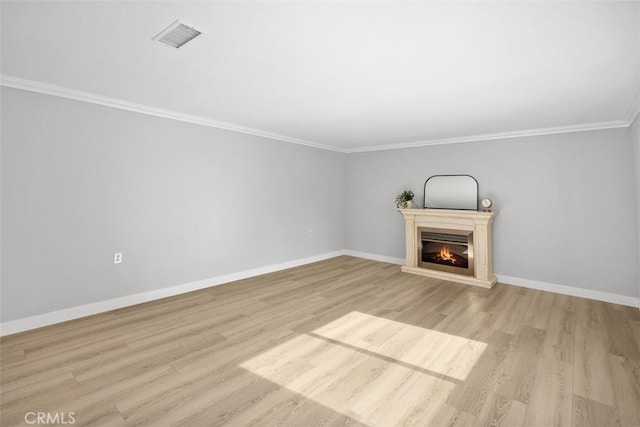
(447, 250)
(445, 254)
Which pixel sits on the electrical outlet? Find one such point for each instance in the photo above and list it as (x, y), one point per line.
(117, 258)
(310, 233)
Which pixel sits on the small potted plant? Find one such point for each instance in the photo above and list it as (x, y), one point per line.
(404, 200)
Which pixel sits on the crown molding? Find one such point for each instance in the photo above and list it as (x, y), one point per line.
(77, 95)
(493, 136)
(64, 92)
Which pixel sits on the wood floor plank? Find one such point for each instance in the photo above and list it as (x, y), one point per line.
(537, 315)
(550, 402)
(502, 411)
(622, 341)
(510, 317)
(635, 330)
(588, 413)
(486, 377)
(345, 341)
(560, 334)
(521, 364)
(592, 374)
(626, 383)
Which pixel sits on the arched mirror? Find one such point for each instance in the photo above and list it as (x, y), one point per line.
(451, 192)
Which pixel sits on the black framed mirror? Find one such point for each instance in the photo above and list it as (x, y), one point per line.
(451, 192)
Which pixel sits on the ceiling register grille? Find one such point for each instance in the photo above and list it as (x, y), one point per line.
(177, 34)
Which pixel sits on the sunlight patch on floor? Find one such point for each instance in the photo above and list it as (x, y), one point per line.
(427, 349)
(375, 370)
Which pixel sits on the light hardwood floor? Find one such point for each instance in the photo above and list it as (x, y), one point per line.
(345, 341)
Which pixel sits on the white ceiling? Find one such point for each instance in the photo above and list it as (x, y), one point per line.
(344, 74)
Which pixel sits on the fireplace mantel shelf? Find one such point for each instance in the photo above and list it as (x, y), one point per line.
(477, 222)
(450, 213)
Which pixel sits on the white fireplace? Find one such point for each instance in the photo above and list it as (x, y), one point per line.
(454, 245)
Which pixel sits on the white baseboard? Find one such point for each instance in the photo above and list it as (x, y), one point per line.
(374, 257)
(27, 323)
(527, 283)
(569, 290)
(33, 322)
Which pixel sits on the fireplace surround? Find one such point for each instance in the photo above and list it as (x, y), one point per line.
(454, 245)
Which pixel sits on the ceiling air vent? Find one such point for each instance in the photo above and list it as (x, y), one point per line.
(178, 34)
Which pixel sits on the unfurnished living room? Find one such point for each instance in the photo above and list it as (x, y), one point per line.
(320, 213)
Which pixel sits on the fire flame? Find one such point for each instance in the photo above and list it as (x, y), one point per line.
(446, 255)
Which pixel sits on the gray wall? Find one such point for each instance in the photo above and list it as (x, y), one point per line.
(635, 140)
(182, 202)
(185, 202)
(566, 201)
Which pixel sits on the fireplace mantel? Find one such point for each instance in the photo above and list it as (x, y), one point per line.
(480, 223)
